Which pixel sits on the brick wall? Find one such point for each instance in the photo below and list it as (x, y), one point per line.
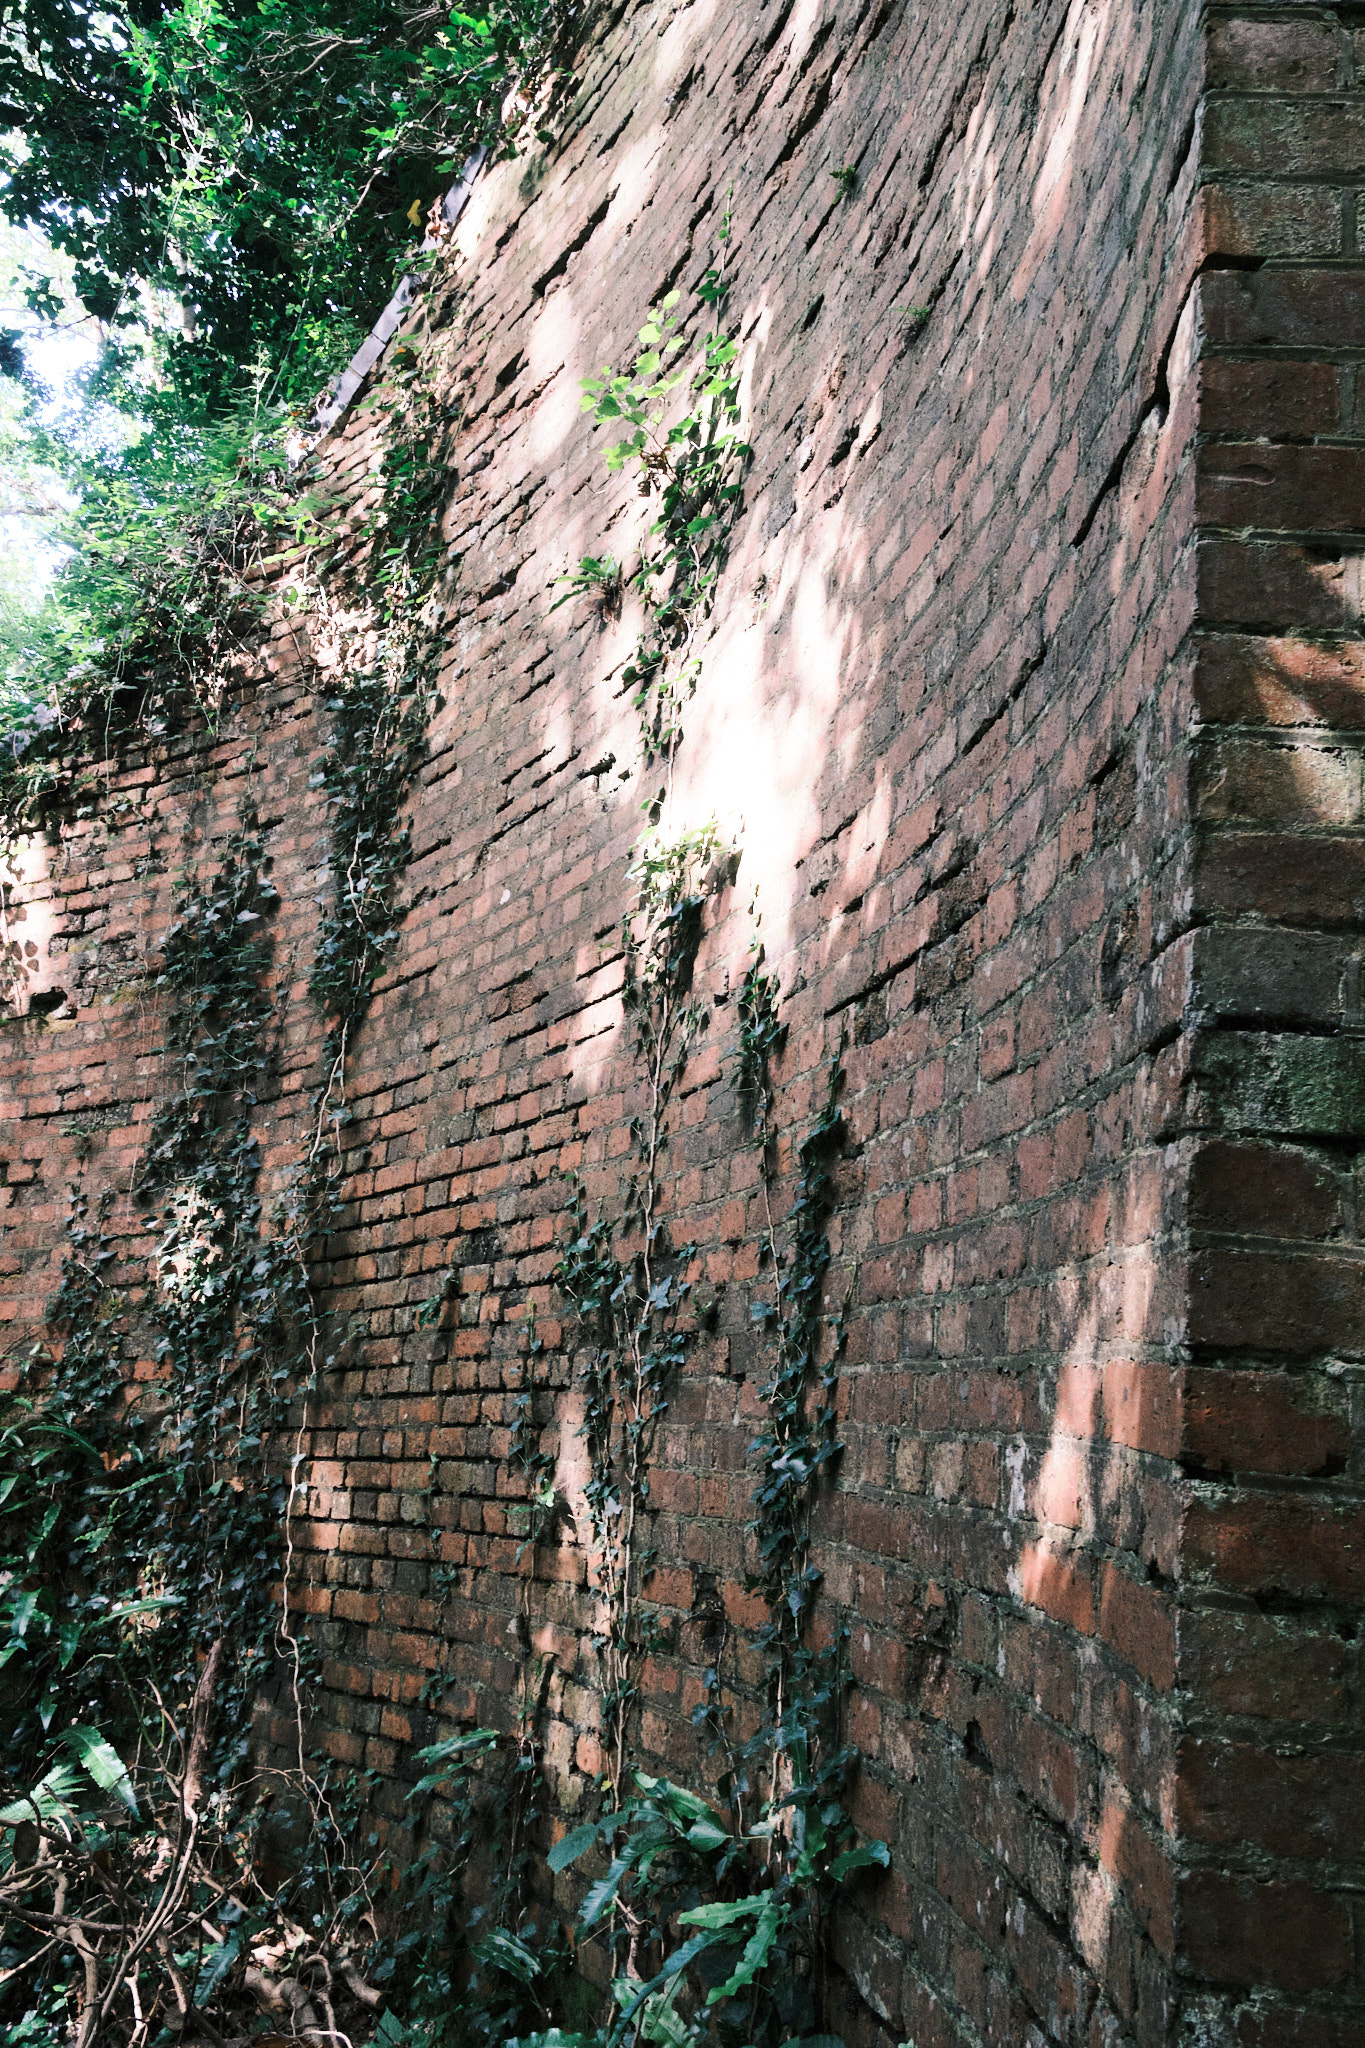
(1032, 699)
(1269, 1766)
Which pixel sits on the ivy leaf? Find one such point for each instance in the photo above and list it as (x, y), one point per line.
(725, 1915)
(217, 1963)
(602, 1895)
(707, 1835)
(552, 2037)
(756, 1953)
(508, 1953)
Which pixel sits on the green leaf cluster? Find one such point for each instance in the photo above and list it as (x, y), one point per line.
(685, 440)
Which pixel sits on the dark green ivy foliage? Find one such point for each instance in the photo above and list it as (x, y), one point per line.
(624, 1280)
(798, 1441)
(132, 1544)
(143, 1541)
(715, 1916)
(762, 1036)
(378, 739)
(198, 1482)
(379, 713)
(153, 1498)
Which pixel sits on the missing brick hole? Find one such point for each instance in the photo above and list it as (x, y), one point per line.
(1184, 150)
(974, 1748)
(51, 1002)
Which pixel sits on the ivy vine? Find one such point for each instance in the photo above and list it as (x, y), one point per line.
(690, 457)
(624, 1281)
(144, 1543)
(158, 1873)
(714, 1917)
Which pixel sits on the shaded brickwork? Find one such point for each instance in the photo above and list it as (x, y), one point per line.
(1269, 1771)
(1032, 700)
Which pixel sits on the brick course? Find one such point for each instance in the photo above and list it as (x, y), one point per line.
(1033, 699)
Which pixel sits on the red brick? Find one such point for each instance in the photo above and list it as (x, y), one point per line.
(1232, 1794)
(1051, 784)
(1284, 308)
(1273, 56)
(1280, 682)
(1300, 138)
(1255, 1422)
(1285, 489)
(1267, 1669)
(1293, 1304)
(1271, 587)
(1301, 880)
(1282, 400)
(1235, 1931)
(1279, 1543)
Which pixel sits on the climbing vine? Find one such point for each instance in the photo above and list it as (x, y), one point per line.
(625, 1281)
(145, 1543)
(158, 1865)
(713, 1916)
(685, 441)
(142, 1545)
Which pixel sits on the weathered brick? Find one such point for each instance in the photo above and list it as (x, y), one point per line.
(1269, 1669)
(1278, 1543)
(1239, 1932)
(1252, 1422)
(1284, 308)
(1280, 682)
(1273, 56)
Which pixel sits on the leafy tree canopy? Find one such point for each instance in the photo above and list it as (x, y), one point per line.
(259, 164)
(217, 195)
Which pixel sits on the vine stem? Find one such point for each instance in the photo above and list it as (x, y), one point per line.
(286, 1634)
(633, 1455)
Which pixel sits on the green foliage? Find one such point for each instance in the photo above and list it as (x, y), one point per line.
(685, 441)
(600, 578)
(798, 1442)
(146, 1513)
(257, 170)
(762, 1035)
(846, 178)
(227, 193)
(156, 609)
(625, 1283)
(144, 1545)
(377, 740)
(709, 1931)
(477, 1961)
(714, 1920)
(525, 1455)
